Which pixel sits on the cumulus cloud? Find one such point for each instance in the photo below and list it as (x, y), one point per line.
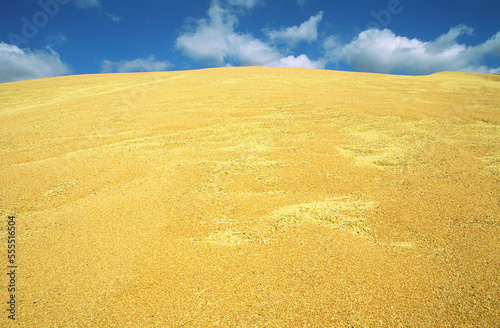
(490, 47)
(307, 31)
(88, 4)
(299, 61)
(18, 64)
(383, 51)
(150, 64)
(215, 40)
(212, 38)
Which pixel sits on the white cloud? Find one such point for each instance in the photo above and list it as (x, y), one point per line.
(150, 64)
(211, 41)
(245, 3)
(382, 51)
(58, 38)
(88, 4)
(250, 51)
(113, 17)
(18, 64)
(215, 40)
(307, 31)
(491, 47)
(300, 61)
(301, 2)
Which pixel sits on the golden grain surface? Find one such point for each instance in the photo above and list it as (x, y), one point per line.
(250, 197)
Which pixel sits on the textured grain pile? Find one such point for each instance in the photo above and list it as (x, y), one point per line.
(249, 197)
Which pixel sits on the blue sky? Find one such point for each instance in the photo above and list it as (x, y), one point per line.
(42, 38)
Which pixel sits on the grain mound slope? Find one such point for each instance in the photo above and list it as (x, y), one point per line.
(247, 197)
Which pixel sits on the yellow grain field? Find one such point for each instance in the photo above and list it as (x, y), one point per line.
(251, 197)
